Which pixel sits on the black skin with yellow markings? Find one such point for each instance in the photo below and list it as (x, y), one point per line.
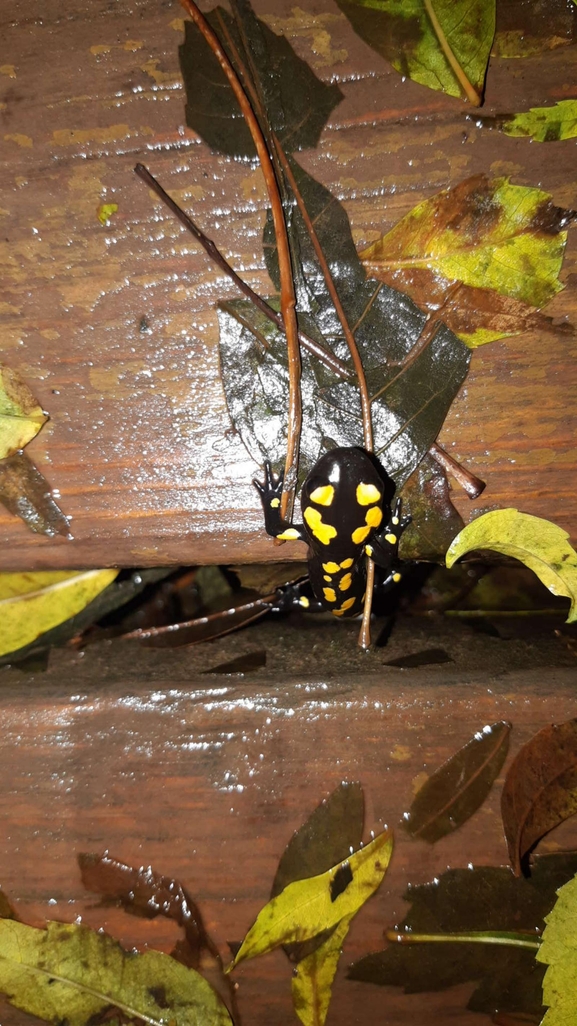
(346, 509)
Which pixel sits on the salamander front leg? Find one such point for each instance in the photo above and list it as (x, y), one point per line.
(270, 493)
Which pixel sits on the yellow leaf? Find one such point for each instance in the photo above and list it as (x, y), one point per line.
(539, 544)
(20, 415)
(307, 907)
(313, 977)
(31, 604)
(105, 212)
(545, 124)
(558, 952)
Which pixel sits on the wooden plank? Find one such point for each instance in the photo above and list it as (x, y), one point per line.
(207, 781)
(139, 445)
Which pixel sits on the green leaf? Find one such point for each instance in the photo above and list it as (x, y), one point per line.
(558, 953)
(483, 898)
(297, 102)
(71, 974)
(540, 789)
(21, 417)
(313, 977)
(539, 544)
(307, 907)
(459, 787)
(504, 244)
(328, 835)
(545, 124)
(442, 44)
(33, 603)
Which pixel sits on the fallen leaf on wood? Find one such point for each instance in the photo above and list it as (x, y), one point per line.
(21, 416)
(539, 544)
(540, 789)
(71, 974)
(306, 908)
(484, 253)
(26, 494)
(545, 124)
(331, 832)
(483, 898)
(247, 663)
(33, 603)
(557, 952)
(458, 788)
(443, 44)
(312, 980)
(525, 27)
(434, 520)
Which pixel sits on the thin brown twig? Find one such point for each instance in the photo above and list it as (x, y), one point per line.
(364, 639)
(288, 299)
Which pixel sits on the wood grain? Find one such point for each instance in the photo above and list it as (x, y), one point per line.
(207, 783)
(139, 444)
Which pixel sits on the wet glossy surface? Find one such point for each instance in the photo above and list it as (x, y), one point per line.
(114, 328)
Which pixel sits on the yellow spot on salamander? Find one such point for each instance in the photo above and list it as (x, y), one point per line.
(347, 604)
(367, 493)
(396, 578)
(274, 503)
(369, 550)
(330, 594)
(345, 582)
(327, 578)
(395, 520)
(323, 495)
(304, 602)
(346, 563)
(374, 516)
(324, 532)
(359, 535)
(338, 612)
(391, 538)
(291, 534)
(331, 568)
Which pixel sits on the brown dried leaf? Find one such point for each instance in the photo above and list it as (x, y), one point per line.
(540, 789)
(452, 794)
(26, 493)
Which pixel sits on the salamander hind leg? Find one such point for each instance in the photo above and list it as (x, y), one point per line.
(270, 492)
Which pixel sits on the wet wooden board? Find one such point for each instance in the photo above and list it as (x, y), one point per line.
(206, 780)
(114, 327)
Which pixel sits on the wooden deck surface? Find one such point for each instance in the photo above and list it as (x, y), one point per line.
(139, 445)
(206, 779)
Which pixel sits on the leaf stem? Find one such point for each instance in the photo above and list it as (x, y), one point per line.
(288, 299)
(468, 89)
(515, 940)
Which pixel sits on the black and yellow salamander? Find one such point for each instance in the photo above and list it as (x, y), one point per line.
(346, 512)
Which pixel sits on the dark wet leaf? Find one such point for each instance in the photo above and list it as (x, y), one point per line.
(412, 382)
(486, 252)
(145, 893)
(540, 789)
(463, 900)
(427, 497)
(241, 664)
(116, 595)
(326, 838)
(456, 790)
(451, 56)
(297, 102)
(205, 628)
(267, 577)
(526, 27)
(26, 493)
(427, 657)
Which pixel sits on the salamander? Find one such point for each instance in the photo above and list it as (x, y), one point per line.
(346, 513)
